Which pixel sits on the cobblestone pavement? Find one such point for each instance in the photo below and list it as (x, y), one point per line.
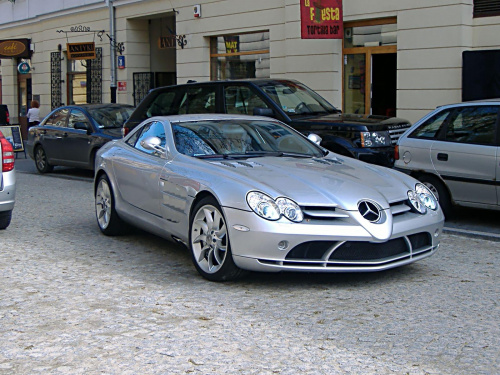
(73, 301)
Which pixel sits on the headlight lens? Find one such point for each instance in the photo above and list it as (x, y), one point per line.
(269, 209)
(290, 209)
(416, 202)
(375, 139)
(426, 196)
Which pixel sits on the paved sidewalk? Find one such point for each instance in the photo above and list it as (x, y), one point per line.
(73, 301)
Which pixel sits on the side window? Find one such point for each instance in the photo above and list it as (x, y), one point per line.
(198, 100)
(242, 100)
(153, 129)
(430, 128)
(474, 125)
(163, 104)
(77, 116)
(58, 118)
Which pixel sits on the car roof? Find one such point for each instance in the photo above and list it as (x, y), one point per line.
(211, 117)
(256, 81)
(480, 102)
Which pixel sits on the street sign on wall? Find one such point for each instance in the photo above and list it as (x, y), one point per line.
(321, 19)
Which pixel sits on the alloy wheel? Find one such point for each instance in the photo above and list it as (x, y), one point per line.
(103, 203)
(209, 239)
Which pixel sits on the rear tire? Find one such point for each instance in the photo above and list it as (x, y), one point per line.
(107, 218)
(5, 218)
(41, 161)
(441, 193)
(209, 243)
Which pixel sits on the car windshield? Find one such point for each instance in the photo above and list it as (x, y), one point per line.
(296, 99)
(111, 117)
(237, 138)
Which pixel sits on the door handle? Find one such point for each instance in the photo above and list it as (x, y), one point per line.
(442, 157)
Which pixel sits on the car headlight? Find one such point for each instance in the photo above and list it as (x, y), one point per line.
(267, 208)
(375, 139)
(415, 201)
(426, 196)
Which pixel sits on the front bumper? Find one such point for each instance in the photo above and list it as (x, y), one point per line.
(338, 245)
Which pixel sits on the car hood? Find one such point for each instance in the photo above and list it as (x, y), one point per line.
(319, 181)
(354, 119)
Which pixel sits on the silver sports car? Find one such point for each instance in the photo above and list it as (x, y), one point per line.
(250, 193)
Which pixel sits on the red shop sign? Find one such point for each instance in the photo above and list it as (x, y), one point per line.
(321, 19)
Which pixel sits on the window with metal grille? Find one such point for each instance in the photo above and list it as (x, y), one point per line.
(485, 8)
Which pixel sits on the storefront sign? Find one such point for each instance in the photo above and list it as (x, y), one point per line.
(81, 51)
(122, 85)
(13, 134)
(165, 42)
(24, 68)
(321, 19)
(232, 43)
(14, 48)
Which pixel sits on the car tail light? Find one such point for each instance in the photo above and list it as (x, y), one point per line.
(8, 117)
(7, 154)
(396, 152)
(125, 131)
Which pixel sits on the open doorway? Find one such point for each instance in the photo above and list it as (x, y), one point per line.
(384, 84)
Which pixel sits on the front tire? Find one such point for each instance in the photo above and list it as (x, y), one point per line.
(5, 218)
(41, 161)
(107, 218)
(209, 242)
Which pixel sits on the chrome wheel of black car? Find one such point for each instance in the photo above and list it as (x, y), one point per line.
(41, 161)
(209, 242)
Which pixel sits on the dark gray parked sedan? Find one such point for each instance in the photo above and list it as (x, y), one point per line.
(71, 135)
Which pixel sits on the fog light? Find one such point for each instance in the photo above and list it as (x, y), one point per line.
(436, 233)
(283, 245)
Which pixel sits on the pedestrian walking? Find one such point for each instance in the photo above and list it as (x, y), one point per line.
(33, 114)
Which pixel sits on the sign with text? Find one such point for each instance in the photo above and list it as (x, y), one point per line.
(165, 42)
(14, 48)
(13, 134)
(81, 51)
(321, 19)
(232, 43)
(122, 86)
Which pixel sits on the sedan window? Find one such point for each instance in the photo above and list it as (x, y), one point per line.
(58, 118)
(77, 116)
(430, 128)
(474, 125)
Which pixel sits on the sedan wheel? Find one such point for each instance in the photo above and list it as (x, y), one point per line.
(41, 161)
(107, 218)
(209, 243)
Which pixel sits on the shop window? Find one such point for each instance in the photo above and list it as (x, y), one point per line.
(240, 56)
(485, 8)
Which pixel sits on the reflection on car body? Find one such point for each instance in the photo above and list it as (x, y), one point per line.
(250, 193)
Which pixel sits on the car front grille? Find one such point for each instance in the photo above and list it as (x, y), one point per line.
(396, 133)
(346, 254)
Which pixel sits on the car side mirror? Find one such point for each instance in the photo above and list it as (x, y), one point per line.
(82, 126)
(314, 138)
(258, 111)
(154, 144)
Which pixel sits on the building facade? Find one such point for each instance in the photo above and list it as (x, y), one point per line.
(396, 57)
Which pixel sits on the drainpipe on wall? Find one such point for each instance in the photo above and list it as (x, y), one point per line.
(112, 49)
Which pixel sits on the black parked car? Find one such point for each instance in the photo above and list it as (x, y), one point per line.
(369, 138)
(4, 115)
(71, 135)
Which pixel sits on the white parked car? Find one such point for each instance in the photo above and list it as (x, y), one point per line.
(455, 152)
